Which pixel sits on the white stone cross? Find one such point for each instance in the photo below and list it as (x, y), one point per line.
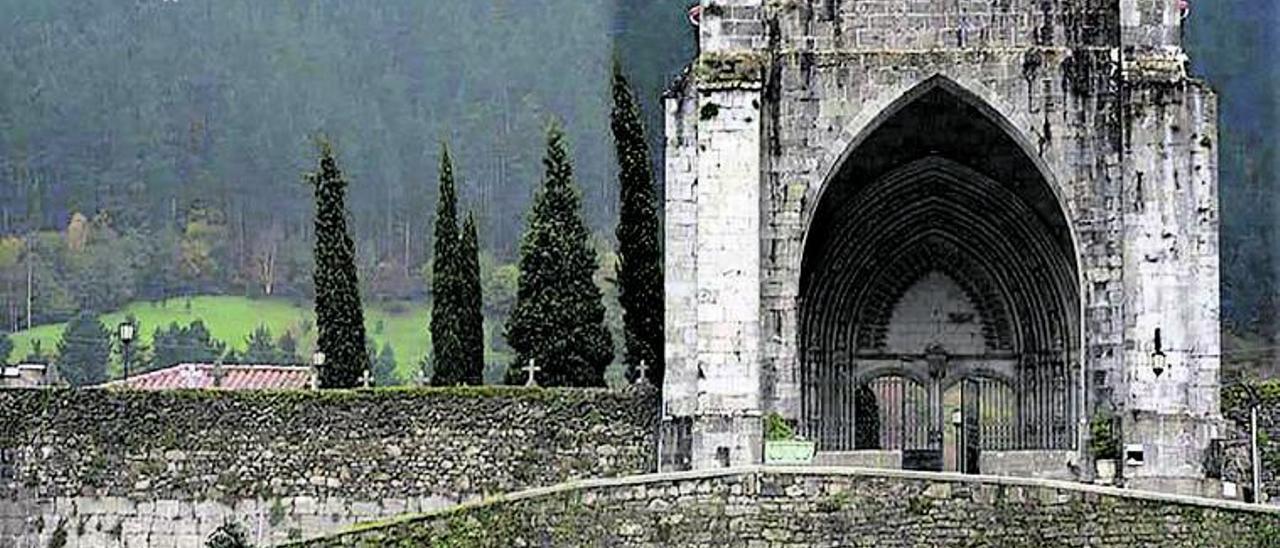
(643, 370)
(531, 369)
(366, 379)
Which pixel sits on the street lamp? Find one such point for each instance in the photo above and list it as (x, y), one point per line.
(1158, 360)
(126, 331)
(1254, 457)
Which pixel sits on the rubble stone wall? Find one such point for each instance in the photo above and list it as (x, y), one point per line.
(165, 469)
(829, 507)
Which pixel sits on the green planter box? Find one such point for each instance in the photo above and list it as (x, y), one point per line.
(789, 452)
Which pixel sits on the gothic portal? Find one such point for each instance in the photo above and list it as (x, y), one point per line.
(943, 235)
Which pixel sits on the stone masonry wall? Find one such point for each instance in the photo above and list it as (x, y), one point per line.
(164, 469)
(1095, 94)
(816, 507)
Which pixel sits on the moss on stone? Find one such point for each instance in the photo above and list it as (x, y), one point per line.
(887, 509)
(264, 445)
(723, 69)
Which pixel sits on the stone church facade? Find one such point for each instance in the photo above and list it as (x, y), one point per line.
(945, 235)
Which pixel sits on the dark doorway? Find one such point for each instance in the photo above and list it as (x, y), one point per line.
(938, 255)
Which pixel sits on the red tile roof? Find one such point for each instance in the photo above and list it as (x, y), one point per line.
(234, 377)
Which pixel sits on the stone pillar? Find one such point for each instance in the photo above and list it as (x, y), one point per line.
(727, 423)
(1171, 226)
(713, 273)
(680, 251)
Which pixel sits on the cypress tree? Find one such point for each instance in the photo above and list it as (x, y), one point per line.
(558, 318)
(640, 291)
(339, 317)
(446, 321)
(471, 304)
(84, 351)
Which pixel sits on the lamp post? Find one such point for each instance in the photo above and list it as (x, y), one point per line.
(126, 331)
(1159, 362)
(1255, 462)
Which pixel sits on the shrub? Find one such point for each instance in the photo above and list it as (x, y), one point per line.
(776, 428)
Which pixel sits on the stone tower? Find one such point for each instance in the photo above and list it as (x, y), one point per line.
(943, 234)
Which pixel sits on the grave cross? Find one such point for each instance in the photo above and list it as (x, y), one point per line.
(531, 369)
(643, 373)
(366, 379)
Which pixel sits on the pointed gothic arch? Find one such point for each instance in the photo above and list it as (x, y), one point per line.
(940, 188)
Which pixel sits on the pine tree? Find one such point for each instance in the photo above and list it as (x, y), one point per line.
(167, 346)
(288, 347)
(640, 290)
(260, 348)
(339, 317)
(470, 305)
(558, 319)
(446, 298)
(177, 344)
(84, 351)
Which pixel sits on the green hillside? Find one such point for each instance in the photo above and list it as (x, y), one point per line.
(231, 319)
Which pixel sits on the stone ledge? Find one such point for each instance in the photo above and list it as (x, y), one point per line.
(815, 492)
(949, 477)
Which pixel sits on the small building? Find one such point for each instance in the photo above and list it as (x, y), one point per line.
(218, 376)
(26, 375)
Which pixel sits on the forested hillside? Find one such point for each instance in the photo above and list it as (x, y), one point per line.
(151, 149)
(166, 141)
(1233, 44)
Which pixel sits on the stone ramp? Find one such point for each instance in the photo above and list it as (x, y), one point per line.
(803, 506)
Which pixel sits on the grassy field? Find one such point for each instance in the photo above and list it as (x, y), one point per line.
(231, 319)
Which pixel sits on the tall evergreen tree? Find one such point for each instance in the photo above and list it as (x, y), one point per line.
(640, 280)
(339, 317)
(470, 305)
(446, 316)
(84, 351)
(558, 319)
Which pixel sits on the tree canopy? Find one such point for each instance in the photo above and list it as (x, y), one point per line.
(339, 314)
(640, 279)
(84, 351)
(558, 319)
